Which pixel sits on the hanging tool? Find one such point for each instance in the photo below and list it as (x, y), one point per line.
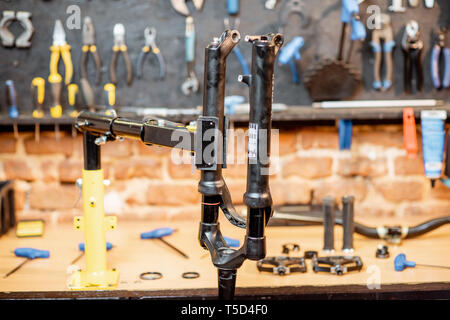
(38, 96)
(291, 52)
(345, 128)
(59, 48)
(72, 90)
(191, 84)
(13, 111)
(433, 142)
(150, 46)
(413, 3)
(159, 234)
(338, 265)
(270, 4)
(386, 34)
(344, 80)
(291, 7)
(110, 90)
(29, 254)
(441, 50)
(397, 6)
(89, 46)
(181, 7)
(24, 39)
(410, 133)
(400, 263)
(429, 4)
(412, 45)
(109, 246)
(120, 46)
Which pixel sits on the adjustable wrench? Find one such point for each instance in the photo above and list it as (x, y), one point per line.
(191, 83)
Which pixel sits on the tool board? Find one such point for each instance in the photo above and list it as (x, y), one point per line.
(321, 35)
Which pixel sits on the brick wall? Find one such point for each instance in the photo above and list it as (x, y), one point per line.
(145, 183)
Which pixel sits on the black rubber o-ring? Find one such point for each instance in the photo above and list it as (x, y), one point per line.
(150, 275)
(190, 275)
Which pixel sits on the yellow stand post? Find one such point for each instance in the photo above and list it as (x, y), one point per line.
(94, 224)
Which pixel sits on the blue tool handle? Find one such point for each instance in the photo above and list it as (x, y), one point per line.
(358, 30)
(243, 63)
(446, 80)
(157, 233)
(400, 262)
(109, 246)
(435, 67)
(12, 99)
(349, 8)
(190, 46)
(294, 73)
(345, 134)
(232, 242)
(31, 253)
(291, 50)
(232, 7)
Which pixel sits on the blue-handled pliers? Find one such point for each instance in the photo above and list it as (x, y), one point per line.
(441, 49)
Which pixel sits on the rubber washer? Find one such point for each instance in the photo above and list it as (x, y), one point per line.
(151, 275)
(190, 275)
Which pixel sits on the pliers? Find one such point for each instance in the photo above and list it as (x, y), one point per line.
(89, 46)
(59, 48)
(120, 46)
(441, 47)
(150, 46)
(412, 46)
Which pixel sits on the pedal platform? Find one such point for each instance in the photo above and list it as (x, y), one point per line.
(338, 265)
(282, 265)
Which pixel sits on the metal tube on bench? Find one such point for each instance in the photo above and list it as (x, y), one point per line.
(328, 223)
(348, 223)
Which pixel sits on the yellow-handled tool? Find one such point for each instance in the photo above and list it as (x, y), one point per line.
(38, 96)
(72, 94)
(110, 90)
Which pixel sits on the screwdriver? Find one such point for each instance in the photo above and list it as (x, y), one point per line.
(400, 263)
(109, 246)
(110, 90)
(73, 113)
(38, 95)
(159, 234)
(13, 112)
(29, 254)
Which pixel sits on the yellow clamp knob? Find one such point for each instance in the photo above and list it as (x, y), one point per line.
(56, 111)
(111, 93)
(72, 90)
(39, 83)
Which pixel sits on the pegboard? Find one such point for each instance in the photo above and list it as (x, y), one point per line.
(321, 41)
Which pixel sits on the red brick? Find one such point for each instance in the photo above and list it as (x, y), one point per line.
(7, 143)
(379, 135)
(427, 210)
(70, 170)
(319, 138)
(181, 167)
(340, 188)
(49, 171)
(53, 196)
(287, 143)
(117, 149)
(138, 168)
(362, 166)
(290, 192)
(401, 190)
(308, 167)
(173, 194)
(20, 193)
(236, 171)
(49, 145)
(18, 169)
(237, 190)
(152, 150)
(373, 210)
(405, 166)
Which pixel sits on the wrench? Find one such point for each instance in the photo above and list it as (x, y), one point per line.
(23, 41)
(270, 4)
(191, 83)
(6, 35)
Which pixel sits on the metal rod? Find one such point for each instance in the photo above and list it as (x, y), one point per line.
(348, 222)
(16, 268)
(328, 223)
(174, 248)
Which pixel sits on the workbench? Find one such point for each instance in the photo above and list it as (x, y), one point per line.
(131, 256)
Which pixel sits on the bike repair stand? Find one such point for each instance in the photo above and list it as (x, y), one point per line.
(94, 223)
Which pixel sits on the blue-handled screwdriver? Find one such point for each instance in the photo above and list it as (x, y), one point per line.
(109, 246)
(29, 254)
(159, 234)
(13, 111)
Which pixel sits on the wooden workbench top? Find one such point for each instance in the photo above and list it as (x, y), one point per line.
(131, 256)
